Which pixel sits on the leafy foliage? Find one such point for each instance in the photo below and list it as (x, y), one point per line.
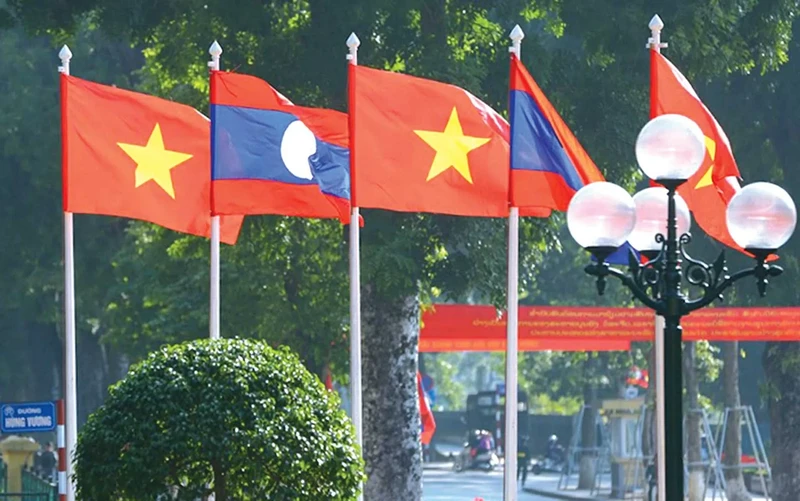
(233, 417)
(140, 286)
(284, 272)
(575, 59)
(31, 298)
(444, 369)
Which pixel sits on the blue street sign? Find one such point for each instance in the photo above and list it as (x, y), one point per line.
(501, 388)
(27, 417)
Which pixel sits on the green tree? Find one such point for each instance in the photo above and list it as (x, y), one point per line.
(594, 72)
(283, 272)
(583, 376)
(765, 136)
(443, 369)
(231, 417)
(735, 488)
(399, 266)
(31, 257)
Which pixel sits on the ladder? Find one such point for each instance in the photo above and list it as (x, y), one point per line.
(712, 464)
(577, 449)
(748, 420)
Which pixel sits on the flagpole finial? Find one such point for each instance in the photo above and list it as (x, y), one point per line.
(516, 37)
(65, 55)
(353, 41)
(654, 42)
(656, 24)
(516, 34)
(215, 51)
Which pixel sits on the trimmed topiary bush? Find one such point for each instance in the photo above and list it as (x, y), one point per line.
(228, 416)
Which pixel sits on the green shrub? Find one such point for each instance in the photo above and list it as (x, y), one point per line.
(229, 416)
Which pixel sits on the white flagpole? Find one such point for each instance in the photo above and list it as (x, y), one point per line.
(70, 374)
(512, 308)
(661, 465)
(654, 43)
(355, 294)
(213, 317)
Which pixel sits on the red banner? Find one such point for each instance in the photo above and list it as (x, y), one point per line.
(455, 327)
(743, 324)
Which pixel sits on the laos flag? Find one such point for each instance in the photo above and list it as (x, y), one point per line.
(271, 157)
(548, 164)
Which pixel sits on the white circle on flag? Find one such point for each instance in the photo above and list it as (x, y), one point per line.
(298, 143)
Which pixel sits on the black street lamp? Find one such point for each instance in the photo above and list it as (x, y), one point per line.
(602, 216)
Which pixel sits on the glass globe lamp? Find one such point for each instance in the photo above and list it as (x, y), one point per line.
(670, 148)
(601, 216)
(761, 217)
(651, 219)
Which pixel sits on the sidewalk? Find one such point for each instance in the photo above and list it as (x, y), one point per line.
(547, 486)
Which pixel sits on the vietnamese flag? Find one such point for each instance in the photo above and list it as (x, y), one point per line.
(419, 145)
(132, 155)
(708, 192)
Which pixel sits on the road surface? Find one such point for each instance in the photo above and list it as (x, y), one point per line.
(440, 483)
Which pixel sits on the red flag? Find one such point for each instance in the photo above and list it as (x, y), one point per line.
(423, 146)
(132, 155)
(426, 415)
(707, 192)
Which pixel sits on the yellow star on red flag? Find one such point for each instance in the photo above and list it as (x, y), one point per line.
(452, 147)
(154, 162)
(706, 179)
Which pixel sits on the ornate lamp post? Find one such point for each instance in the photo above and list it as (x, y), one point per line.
(602, 216)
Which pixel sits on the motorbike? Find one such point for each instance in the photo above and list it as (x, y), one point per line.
(470, 459)
(548, 463)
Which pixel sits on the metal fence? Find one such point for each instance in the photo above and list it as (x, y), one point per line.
(34, 487)
(33, 484)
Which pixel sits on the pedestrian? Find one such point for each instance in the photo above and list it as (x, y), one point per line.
(652, 481)
(47, 462)
(523, 455)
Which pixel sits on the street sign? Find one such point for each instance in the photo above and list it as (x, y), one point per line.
(28, 417)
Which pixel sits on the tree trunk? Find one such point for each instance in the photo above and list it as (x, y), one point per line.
(693, 424)
(92, 374)
(732, 449)
(433, 22)
(391, 406)
(588, 463)
(220, 482)
(481, 378)
(783, 379)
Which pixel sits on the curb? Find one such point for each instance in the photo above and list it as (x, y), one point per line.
(556, 495)
(437, 466)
